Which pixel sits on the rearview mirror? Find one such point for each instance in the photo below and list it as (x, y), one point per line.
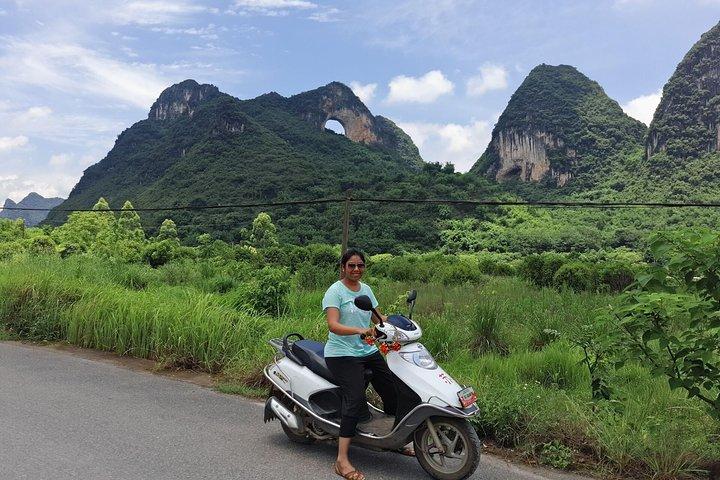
(363, 303)
(412, 295)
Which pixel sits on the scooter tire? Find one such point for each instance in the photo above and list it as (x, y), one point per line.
(466, 433)
(297, 437)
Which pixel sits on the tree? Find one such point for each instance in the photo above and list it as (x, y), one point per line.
(168, 231)
(670, 321)
(264, 232)
(88, 232)
(129, 226)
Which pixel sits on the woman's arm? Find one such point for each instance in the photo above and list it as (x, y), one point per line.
(333, 319)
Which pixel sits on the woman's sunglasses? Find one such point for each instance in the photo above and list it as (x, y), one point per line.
(353, 266)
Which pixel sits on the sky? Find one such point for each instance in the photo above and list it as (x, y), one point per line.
(75, 74)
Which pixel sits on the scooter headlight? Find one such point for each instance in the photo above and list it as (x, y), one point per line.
(422, 359)
(400, 336)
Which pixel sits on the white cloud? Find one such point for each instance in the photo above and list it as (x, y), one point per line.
(77, 70)
(458, 144)
(643, 107)
(275, 4)
(48, 184)
(60, 159)
(364, 92)
(154, 12)
(209, 32)
(425, 89)
(276, 8)
(326, 16)
(11, 143)
(491, 77)
(34, 113)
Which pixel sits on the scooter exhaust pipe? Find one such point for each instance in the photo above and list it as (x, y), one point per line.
(280, 411)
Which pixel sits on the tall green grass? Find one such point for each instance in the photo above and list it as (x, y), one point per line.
(510, 340)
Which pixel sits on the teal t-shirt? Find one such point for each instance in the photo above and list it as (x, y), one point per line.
(341, 297)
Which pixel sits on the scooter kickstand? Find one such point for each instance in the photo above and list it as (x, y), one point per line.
(436, 440)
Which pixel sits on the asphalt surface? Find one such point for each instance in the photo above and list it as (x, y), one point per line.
(65, 417)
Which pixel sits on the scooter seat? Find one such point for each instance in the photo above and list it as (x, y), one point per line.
(312, 355)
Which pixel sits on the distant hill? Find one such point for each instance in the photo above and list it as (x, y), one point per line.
(687, 121)
(558, 125)
(32, 200)
(200, 147)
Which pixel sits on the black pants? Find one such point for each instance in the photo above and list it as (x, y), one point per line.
(349, 372)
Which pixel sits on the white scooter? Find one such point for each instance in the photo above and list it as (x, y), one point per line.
(433, 410)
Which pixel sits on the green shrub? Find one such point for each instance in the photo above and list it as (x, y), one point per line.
(556, 455)
(310, 277)
(576, 276)
(616, 276)
(458, 273)
(540, 269)
(265, 293)
(490, 266)
(159, 253)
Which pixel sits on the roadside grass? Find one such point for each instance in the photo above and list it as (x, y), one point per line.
(511, 341)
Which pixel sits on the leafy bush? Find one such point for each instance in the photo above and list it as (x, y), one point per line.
(556, 455)
(490, 266)
(309, 277)
(577, 276)
(159, 253)
(616, 276)
(265, 293)
(540, 269)
(670, 320)
(458, 273)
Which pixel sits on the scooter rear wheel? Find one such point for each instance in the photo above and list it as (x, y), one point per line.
(461, 449)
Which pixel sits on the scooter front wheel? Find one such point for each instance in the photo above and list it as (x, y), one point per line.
(460, 453)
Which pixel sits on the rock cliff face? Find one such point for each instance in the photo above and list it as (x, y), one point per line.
(181, 99)
(524, 156)
(336, 101)
(687, 120)
(556, 122)
(32, 200)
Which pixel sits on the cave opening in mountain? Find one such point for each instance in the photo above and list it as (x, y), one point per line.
(335, 126)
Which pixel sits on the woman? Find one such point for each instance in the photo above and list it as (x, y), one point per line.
(347, 356)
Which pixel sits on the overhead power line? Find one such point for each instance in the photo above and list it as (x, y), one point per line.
(493, 203)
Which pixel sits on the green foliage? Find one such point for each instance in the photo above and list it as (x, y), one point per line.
(541, 269)
(159, 253)
(577, 276)
(265, 293)
(168, 231)
(264, 232)
(670, 321)
(616, 276)
(556, 455)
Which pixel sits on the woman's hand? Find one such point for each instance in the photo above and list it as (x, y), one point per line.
(368, 332)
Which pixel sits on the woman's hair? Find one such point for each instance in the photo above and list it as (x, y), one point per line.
(349, 253)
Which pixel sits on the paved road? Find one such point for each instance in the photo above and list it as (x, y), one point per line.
(65, 417)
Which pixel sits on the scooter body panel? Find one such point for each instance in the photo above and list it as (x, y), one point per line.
(299, 380)
(430, 384)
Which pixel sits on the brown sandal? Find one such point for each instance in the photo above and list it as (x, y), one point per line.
(354, 475)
